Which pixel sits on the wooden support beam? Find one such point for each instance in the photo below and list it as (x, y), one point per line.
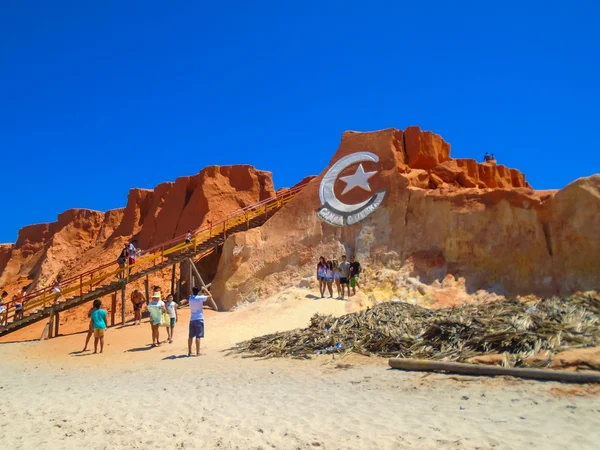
(56, 323)
(479, 369)
(46, 330)
(123, 303)
(173, 279)
(216, 308)
(179, 291)
(147, 288)
(51, 324)
(190, 280)
(113, 309)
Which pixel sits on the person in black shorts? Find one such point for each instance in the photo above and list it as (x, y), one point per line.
(354, 271)
(345, 275)
(138, 300)
(122, 260)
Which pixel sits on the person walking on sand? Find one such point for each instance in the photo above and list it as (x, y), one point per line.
(171, 307)
(156, 308)
(138, 300)
(196, 331)
(90, 332)
(99, 318)
(329, 277)
(354, 272)
(345, 275)
(321, 269)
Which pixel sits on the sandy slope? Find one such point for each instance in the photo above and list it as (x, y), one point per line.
(137, 397)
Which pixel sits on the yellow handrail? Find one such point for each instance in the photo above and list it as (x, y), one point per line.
(200, 237)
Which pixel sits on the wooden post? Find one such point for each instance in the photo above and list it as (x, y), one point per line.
(193, 266)
(51, 324)
(480, 369)
(123, 304)
(45, 332)
(173, 279)
(190, 281)
(179, 291)
(147, 287)
(56, 324)
(113, 309)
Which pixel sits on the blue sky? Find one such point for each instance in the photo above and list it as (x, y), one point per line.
(100, 97)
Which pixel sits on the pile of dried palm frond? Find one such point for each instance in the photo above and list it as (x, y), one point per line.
(516, 329)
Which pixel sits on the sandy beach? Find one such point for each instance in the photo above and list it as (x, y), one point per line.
(134, 396)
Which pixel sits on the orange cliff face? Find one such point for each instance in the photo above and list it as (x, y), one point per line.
(82, 239)
(398, 201)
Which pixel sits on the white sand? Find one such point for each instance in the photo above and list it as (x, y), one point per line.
(136, 397)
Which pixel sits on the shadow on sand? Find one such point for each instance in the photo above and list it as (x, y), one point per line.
(316, 297)
(82, 353)
(140, 349)
(173, 357)
(19, 342)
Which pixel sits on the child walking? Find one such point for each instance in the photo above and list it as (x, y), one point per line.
(172, 311)
(98, 316)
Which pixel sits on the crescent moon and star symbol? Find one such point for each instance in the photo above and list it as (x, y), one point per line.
(335, 212)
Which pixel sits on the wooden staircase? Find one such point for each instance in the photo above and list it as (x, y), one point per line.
(251, 217)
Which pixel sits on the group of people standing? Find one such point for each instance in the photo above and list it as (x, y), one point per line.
(17, 301)
(162, 314)
(489, 158)
(345, 276)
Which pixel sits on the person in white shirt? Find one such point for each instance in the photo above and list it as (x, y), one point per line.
(196, 332)
(132, 252)
(172, 311)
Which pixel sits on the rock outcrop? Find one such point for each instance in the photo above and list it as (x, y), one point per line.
(479, 224)
(82, 239)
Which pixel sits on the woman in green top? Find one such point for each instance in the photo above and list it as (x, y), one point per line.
(90, 329)
(98, 316)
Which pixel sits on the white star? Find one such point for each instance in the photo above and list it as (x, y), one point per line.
(359, 179)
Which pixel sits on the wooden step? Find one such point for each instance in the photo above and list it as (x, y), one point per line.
(114, 286)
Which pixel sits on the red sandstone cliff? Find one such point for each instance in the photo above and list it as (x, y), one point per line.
(82, 239)
(441, 220)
